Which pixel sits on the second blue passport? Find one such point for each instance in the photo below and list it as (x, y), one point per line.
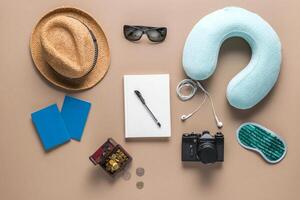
(75, 113)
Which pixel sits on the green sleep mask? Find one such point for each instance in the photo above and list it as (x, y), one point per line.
(262, 140)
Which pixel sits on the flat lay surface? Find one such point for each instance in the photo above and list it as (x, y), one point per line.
(28, 172)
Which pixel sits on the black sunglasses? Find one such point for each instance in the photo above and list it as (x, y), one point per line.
(154, 34)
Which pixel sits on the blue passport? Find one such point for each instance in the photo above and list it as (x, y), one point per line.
(75, 113)
(50, 127)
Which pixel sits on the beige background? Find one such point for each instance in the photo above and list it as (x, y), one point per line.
(27, 172)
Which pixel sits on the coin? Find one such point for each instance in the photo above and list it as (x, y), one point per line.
(126, 175)
(140, 171)
(139, 185)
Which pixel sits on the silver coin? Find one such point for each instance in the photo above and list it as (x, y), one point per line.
(140, 171)
(140, 185)
(126, 175)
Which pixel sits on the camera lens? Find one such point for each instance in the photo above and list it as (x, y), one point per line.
(207, 153)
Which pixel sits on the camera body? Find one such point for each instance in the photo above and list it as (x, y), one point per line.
(205, 148)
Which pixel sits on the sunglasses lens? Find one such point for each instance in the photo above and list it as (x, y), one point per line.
(157, 35)
(132, 33)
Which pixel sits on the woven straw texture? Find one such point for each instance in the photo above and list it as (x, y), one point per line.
(78, 84)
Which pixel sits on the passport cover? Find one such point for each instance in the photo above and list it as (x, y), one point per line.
(74, 113)
(50, 127)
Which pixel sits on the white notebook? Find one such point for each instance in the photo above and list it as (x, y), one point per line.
(155, 89)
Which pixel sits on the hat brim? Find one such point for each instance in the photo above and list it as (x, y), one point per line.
(86, 82)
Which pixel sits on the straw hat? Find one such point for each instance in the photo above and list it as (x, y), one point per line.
(69, 49)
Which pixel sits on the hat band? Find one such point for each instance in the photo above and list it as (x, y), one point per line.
(95, 55)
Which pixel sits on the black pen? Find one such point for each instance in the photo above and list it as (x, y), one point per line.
(139, 95)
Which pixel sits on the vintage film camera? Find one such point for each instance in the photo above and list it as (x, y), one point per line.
(111, 156)
(205, 148)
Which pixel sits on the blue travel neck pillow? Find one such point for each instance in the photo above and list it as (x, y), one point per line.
(254, 82)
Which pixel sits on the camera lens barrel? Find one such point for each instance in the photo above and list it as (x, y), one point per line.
(207, 152)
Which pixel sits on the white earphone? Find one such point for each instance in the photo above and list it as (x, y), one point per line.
(193, 84)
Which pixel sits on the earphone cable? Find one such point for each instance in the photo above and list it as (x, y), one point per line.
(193, 84)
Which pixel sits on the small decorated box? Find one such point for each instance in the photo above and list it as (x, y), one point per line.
(112, 157)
